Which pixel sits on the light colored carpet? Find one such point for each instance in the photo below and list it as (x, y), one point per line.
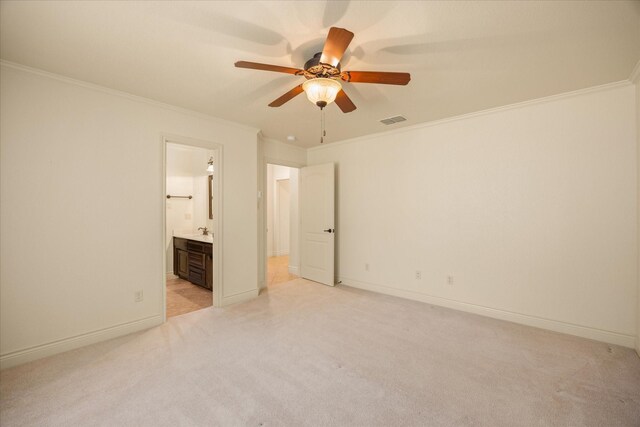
(306, 354)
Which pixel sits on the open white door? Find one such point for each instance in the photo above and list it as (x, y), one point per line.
(317, 213)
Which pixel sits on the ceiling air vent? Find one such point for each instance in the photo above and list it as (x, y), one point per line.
(392, 120)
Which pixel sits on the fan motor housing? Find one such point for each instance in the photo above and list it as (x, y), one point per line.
(313, 68)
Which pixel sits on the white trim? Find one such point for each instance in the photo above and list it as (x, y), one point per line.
(4, 63)
(301, 150)
(517, 105)
(634, 77)
(278, 162)
(127, 95)
(277, 251)
(263, 252)
(163, 209)
(295, 270)
(524, 319)
(240, 297)
(37, 352)
(635, 73)
(218, 234)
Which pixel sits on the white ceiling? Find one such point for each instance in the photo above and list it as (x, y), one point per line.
(462, 56)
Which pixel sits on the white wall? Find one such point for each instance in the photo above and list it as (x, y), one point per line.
(294, 217)
(274, 174)
(531, 209)
(282, 217)
(199, 163)
(283, 154)
(276, 152)
(82, 205)
(268, 198)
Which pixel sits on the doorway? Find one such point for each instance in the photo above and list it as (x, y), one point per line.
(283, 259)
(192, 234)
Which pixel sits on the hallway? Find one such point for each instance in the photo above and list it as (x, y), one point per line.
(278, 270)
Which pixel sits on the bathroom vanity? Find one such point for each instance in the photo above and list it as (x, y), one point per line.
(193, 259)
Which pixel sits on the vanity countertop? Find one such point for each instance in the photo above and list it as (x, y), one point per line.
(197, 237)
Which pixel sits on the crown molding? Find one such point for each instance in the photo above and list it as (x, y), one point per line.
(278, 142)
(635, 75)
(103, 89)
(480, 113)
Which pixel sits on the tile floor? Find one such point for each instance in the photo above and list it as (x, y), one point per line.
(185, 297)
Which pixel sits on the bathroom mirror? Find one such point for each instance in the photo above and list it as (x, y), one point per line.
(210, 196)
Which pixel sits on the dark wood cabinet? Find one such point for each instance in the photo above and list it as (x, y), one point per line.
(193, 261)
(182, 260)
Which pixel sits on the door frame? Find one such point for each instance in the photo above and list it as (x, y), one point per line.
(262, 259)
(218, 238)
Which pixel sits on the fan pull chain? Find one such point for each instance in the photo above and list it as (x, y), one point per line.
(323, 131)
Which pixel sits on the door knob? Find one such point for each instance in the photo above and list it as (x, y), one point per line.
(329, 230)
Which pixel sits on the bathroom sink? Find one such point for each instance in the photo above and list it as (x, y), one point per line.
(199, 237)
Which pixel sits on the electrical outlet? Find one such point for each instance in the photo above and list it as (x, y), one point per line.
(366, 266)
(138, 296)
(450, 280)
(418, 274)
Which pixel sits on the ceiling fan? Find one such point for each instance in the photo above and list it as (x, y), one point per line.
(323, 74)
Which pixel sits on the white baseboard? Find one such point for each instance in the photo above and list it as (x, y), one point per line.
(294, 270)
(239, 297)
(272, 254)
(278, 253)
(37, 352)
(524, 319)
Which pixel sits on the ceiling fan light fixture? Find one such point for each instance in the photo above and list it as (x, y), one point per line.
(324, 72)
(321, 91)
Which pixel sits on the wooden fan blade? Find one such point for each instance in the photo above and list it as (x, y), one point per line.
(344, 102)
(268, 67)
(337, 41)
(287, 96)
(380, 77)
